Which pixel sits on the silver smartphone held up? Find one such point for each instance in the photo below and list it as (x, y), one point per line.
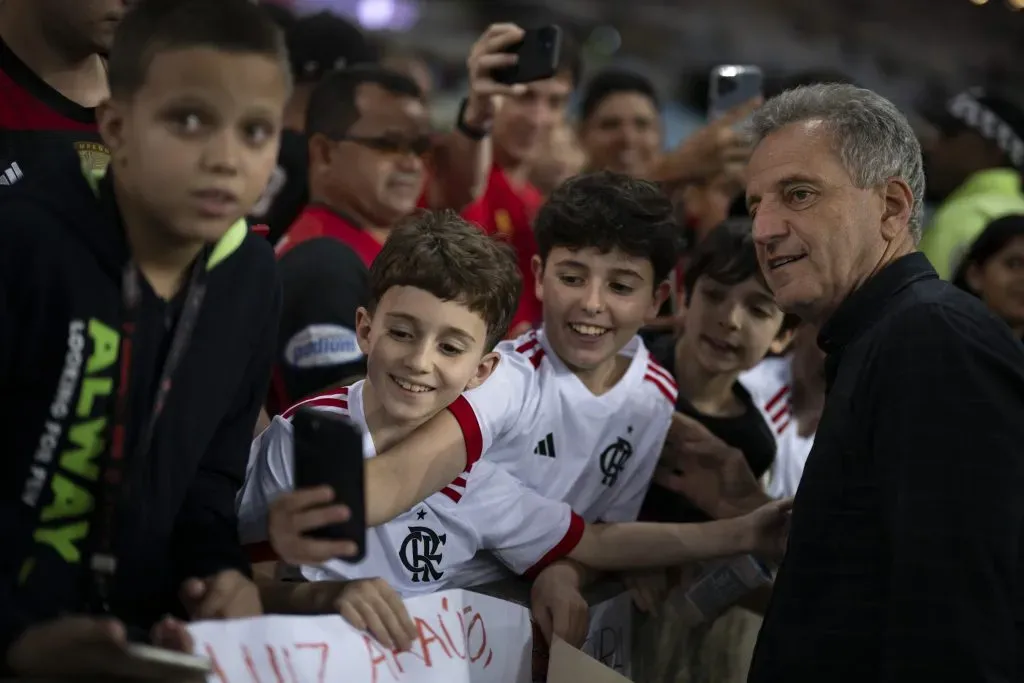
(731, 85)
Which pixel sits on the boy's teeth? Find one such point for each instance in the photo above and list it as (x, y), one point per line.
(409, 386)
(590, 330)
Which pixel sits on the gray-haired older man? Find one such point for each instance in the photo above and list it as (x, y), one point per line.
(906, 555)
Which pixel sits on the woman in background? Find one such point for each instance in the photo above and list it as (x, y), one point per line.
(993, 270)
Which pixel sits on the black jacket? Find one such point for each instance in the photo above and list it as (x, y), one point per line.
(906, 553)
(62, 256)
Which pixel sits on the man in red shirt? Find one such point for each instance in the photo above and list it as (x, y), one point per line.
(52, 76)
(369, 139)
(522, 124)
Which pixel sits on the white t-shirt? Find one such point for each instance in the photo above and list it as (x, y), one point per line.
(770, 385)
(536, 419)
(424, 549)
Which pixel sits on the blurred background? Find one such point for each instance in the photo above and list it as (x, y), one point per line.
(907, 50)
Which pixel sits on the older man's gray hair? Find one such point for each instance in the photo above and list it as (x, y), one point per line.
(872, 138)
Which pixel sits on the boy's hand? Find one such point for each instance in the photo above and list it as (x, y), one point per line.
(69, 646)
(294, 513)
(374, 606)
(227, 595)
(557, 605)
(648, 588)
(711, 474)
(766, 530)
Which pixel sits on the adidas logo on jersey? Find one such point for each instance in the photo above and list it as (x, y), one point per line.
(11, 174)
(546, 447)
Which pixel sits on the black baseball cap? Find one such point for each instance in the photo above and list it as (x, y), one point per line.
(323, 42)
(994, 116)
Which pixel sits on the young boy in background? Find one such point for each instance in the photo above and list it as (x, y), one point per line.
(732, 322)
(443, 295)
(137, 331)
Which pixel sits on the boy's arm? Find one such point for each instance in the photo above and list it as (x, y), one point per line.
(422, 464)
(528, 532)
(205, 540)
(451, 442)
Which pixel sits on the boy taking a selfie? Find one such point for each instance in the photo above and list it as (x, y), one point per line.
(443, 296)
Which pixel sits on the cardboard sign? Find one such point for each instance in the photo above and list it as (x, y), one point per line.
(464, 637)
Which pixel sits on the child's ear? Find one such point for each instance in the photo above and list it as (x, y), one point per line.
(363, 325)
(537, 266)
(484, 370)
(781, 342)
(661, 293)
(110, 122)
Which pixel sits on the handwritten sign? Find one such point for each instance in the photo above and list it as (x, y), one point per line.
(610, 637)
(464, 637)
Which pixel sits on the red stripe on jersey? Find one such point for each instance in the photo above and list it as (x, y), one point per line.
(654, 368)
(536, 358)
(572, 538)
(261, 552)
(452, 493)
(776, 398)
(658, 381)
(531, 342)
(782, 427)
(471, 433)
(780, 413)
(335, 398)
(459, 481)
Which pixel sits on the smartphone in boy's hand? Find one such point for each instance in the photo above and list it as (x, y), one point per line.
(328, 451)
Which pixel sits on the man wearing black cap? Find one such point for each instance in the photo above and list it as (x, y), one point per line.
(974, 165)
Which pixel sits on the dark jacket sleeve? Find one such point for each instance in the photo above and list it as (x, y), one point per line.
(949, 423)
(206, 531)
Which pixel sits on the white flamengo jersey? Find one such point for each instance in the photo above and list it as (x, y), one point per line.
(536, 419)
(770, 385)
(426, 548)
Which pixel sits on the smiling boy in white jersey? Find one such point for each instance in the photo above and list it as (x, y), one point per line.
(444, 294)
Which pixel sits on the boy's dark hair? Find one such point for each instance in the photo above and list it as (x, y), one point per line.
(613, 81)
(155, 26)
(439, 252)
(728, 256)
(332, 106)
(609, 211)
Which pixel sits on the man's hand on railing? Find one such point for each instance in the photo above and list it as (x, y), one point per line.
(294, 513)
(711, 474)
(557, 605)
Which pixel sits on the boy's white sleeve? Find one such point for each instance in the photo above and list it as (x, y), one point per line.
(625, 506)
(523, 529)
(487, 413)
(269, 474)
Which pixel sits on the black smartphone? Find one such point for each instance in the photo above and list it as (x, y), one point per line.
(328, 449)
(538, 51)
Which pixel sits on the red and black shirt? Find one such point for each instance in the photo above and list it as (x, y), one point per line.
(36, 120)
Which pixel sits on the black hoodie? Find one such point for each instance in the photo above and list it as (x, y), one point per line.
(63, 253)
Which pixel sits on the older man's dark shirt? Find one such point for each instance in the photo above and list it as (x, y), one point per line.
(905, 557)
